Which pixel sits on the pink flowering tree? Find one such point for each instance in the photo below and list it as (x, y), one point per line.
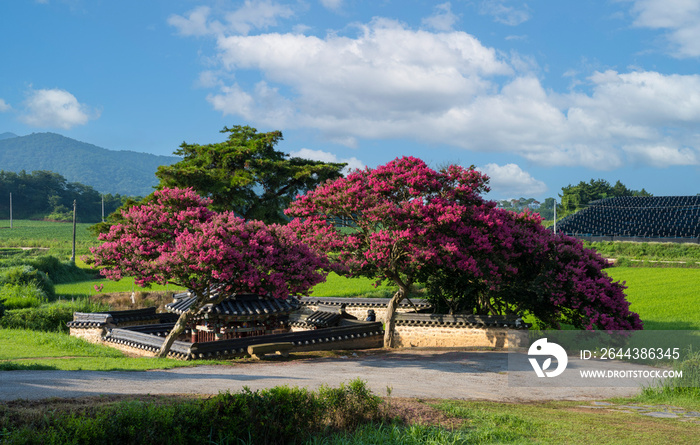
(176, 239)
(390, 222)
(406, 223)
(530, 270)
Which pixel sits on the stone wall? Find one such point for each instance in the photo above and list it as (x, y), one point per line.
(93, 335)
(458, 331)
(457, 337)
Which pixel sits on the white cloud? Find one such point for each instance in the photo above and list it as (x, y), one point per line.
(663, 155)
(387, 73)
(390, 81)
(196, 23)
(502, 13)
(333, 5)
(253, 14)
(324, 156)
(4, 106)
(55, 108)
(679, 18)
(510, 180)
(443, 19)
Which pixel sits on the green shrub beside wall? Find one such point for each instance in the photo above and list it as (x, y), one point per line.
(278, 415)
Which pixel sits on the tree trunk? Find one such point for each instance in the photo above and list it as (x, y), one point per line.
(203, 298)
(389, 317)
(179, 327)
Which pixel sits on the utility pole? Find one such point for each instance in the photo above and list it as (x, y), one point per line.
(103, 208)
(72, 258)
(555, 216)
(10, 210)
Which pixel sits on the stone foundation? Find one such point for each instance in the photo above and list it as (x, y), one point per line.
(457, 337)
(93, 335)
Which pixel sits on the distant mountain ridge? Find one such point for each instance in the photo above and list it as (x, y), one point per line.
(107, 171)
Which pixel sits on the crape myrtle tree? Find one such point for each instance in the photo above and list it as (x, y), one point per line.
(246, 174)
(175, 238)
(530, 270)
(390, 222)
(406, 223)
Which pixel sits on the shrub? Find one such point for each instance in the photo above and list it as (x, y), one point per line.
(50, 317)
(59, 271)
(21, 296)
(24, 275)
(276, 415)
(348, 406)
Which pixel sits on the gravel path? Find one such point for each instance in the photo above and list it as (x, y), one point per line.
(409, 373)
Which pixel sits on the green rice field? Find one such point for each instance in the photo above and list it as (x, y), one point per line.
(665, 298)
(54, 238)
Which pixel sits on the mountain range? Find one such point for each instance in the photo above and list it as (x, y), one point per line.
(107, 171)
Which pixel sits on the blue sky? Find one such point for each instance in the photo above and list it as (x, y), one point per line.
(537, 94)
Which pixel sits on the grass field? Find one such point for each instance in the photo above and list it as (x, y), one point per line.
(665, 299)
(55, 236)
(23, 349)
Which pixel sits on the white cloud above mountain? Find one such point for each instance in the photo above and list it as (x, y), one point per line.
(55, 108)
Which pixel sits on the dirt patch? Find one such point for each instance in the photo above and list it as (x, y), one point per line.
(418, 412)
(120, 301)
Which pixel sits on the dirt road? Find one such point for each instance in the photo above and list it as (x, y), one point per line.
(408, 373)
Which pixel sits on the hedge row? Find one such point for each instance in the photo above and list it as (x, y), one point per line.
(277, 415)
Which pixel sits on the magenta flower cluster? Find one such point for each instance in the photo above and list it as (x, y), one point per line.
(407, 223)
(175, 238)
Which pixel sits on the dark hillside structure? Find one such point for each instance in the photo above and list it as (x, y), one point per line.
(628, 218)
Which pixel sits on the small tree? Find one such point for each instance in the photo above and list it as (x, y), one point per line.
(176, 239)
(390, 222)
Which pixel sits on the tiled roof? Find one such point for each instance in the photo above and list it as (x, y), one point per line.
(115, 318)
(241, 305)
(150, 338)
(363, 302)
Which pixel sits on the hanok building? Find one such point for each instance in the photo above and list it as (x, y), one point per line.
(238, 316)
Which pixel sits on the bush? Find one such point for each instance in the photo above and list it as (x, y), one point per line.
(58, 271)
(346, 407)
(46, 318)
(21, 296)
(24, 275)
(276, 415)
(50, 317)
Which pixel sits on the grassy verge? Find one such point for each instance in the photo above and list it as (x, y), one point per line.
(32, 350)
(687, 252)
(346, 415)
(561, 422)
